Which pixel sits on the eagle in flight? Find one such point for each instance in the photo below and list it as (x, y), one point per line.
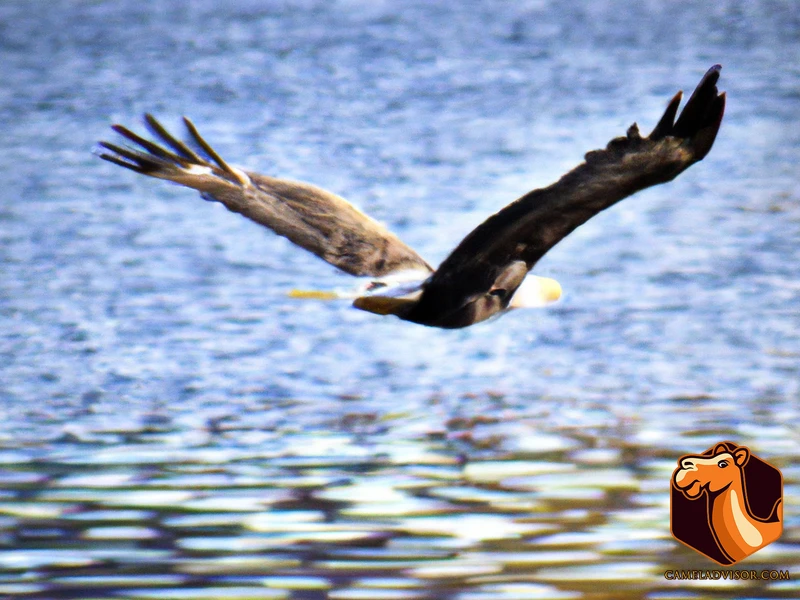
(486, 273)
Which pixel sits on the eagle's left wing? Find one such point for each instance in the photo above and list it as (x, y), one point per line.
(309, 216)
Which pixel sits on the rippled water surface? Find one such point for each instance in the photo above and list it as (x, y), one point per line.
(174, 426)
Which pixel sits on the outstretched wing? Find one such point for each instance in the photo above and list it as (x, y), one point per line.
(312, 218)
(526, 229)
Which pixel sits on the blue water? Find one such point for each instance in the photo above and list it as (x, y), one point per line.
(164, 401)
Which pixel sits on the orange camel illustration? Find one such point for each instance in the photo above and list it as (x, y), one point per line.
(720, 477)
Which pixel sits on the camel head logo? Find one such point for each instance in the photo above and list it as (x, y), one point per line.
(698, 474)
(737, 487)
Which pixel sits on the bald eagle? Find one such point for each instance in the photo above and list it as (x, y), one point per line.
(486, 273)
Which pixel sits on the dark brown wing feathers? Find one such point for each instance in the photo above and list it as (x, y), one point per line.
(529, 227)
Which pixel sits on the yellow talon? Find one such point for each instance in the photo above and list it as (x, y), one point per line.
(313, 295)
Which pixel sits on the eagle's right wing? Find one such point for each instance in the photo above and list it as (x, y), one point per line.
(526, 229)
